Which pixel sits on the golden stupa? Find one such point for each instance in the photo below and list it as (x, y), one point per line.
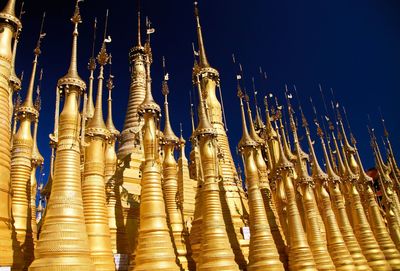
(132, 200)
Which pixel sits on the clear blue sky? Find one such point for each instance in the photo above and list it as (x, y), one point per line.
(351, 46)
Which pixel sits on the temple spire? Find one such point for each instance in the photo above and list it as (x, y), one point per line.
(316, 168)
(169, 134)
(72, 77)
(202, 51)
(29, 95)
(246, 139)
(10, 8)
(390, 152)
(110, 85)
(102, 59)
(139, 38)
(258, 121)
(92, 68)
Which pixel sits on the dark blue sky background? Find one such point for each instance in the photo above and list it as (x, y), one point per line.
(351, 46)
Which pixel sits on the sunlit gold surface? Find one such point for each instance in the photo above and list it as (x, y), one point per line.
(234, 204)
(263, 253)
(9, 24)
(336, 246)
(93, 185)
(63, 242)
(154, 249)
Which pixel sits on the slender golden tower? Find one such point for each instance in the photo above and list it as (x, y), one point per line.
(195, 235)
(299, 252)
(37, 161)
(336, 246)
(170, 184)
(187, 188)
(186, 185)
(271, 137)
(21, 168)
(340, 211)
(130, 148)
(15, 81)
(119, 241)
(130, 136)
(93, 185)
(215, 252)
(389, 196)
(376, 221)
(10, 24)
(361, 227)
(154, 249)
(63, 242)
(266, 191)
(263, 254)
(305, 182)
(234, 204)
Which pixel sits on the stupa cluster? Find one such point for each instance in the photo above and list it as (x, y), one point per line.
(137, 207)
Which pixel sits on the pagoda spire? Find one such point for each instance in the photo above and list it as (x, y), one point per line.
(263, 252)
(202, 51)
(97, 121)
(72, 77)
(139, 38)
(169, 134)
(93, 185)
(29, 95)
(312, 217)
(392, 158)
(14, 80)
(283, 179)
(154, 249)
(21, 167)
(362, 229)
(258, 121)
(119, 239)
(336, 245)
(92, 68)
(54, 249)
(337, 200)
(110, 86)
(170, 184)
(10, 8)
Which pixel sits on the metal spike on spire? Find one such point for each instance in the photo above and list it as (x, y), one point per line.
(169, 135)
(38, 100)
(139, 38)
(29, 96)
(202, 51)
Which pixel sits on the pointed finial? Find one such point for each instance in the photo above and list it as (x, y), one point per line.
(258, 122)
(29, 95)
(246, 140)
(110, 86)
(38, 100)
(385, 131)
(96, 123)
(8, 14)
(92, 60)
(202, 51)
(72, 77)
(139, 39)
(169, 135)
